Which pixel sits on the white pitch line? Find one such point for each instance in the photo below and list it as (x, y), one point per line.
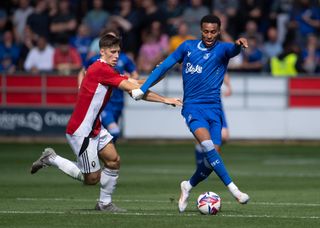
(155, 214)
(168, 201)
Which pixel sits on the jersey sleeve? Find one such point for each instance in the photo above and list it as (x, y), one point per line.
(232, 49)
(111, 77)
(159, 71)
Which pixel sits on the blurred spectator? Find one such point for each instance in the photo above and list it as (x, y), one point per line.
(128, 21)
(96, 18)
(82, 41)
(9, 52)
(173, 10)
(154, 48)
(182, 35)
(279, 15)
(252, 56)
(311, 55)
(66, 58)
(253, 10)
(192, 16)
(38, 21)
(272, 47)
(304, 20)
(5, 23)
(27, 44)
(251, 29)
(64, 23)
(227, 9)
(287, 63)
(151, 12)
(53, 8)
(40, 57)
(20, 19)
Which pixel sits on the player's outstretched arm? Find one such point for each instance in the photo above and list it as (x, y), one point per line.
(154, 77)
(128, 86)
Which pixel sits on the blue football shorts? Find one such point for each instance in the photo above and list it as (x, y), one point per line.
(203, 117)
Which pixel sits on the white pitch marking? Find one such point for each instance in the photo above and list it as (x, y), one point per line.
(155, 214)
(168, 201)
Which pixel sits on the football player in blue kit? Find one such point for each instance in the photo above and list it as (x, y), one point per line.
(204, 64)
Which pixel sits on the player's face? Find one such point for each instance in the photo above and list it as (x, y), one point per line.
(110, 55)
(210, 33)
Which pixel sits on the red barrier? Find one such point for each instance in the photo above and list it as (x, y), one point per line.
(35, 91)
(304, 92)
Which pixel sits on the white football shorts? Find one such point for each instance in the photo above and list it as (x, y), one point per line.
(86, 149)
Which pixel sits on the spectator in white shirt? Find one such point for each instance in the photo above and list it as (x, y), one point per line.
(40, 58)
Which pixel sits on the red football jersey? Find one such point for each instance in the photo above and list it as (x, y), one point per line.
(94, 94)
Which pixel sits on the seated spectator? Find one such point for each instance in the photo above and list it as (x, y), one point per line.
(173, 10)
(192, 16)
(40, 57)
(27, 44)
(5, 23)
(304, 20)
(64, 23)
(39, 21)
(227, 9)
(311, 55)
(251, 30)
(20, 19)
(96, 18)
(272, 47)
(252, 57)
(66, 58)
(154, 48)
(81, 41)
(9, 52)
(178, 39)
(128, 21)
(287, 63)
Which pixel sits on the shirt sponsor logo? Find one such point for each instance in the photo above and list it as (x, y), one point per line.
(193, 69)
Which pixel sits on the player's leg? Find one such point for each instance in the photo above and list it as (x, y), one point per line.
(225, 130)
(50, 158)
(109, 174)
(108, 120)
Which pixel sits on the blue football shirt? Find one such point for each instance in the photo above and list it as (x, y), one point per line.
(203, 70)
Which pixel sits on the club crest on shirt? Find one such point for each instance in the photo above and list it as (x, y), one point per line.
(206, 56)
(193, 69)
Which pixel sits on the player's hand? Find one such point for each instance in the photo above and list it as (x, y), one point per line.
(137, 94)
(173, 101)
(242, 42)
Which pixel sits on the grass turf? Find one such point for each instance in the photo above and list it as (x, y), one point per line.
(282, 181)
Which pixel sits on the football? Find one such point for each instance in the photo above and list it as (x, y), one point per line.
(209, 203)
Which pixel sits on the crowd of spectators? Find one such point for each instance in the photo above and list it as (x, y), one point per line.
(46, 35)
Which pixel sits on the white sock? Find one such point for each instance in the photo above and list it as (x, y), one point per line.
(234, 190)
(67, 166)
(108, 183)
(188, 186)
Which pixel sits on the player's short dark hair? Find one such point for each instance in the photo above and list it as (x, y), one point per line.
(210, 19)
(108, 41)
(110, 31)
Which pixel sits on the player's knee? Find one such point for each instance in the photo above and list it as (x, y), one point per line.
(92, 178)
(114, 163)
(207, 145)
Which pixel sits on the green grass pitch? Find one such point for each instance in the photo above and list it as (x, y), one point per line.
(282, 180)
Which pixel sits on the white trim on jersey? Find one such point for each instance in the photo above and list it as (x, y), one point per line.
(92, 113)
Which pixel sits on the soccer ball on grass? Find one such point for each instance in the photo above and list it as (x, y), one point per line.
(209, 203)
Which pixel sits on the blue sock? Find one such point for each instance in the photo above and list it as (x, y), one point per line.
(201, 173)
(216, 162)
